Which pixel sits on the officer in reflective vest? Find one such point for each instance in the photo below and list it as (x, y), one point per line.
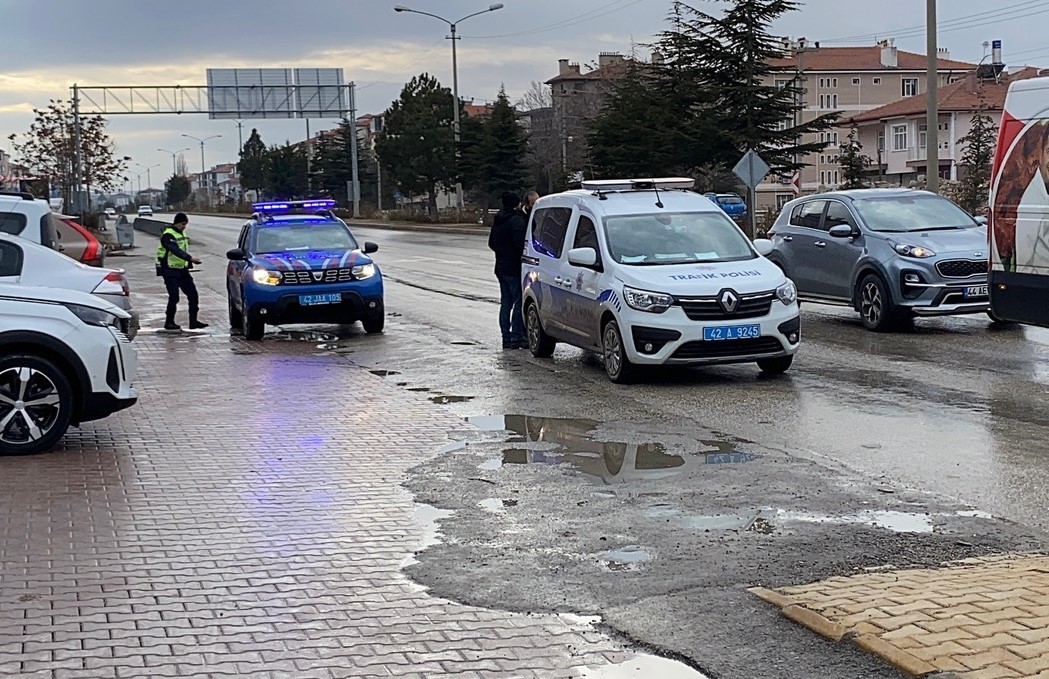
(174, 264)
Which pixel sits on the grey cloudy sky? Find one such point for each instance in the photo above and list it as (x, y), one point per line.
(45, 47)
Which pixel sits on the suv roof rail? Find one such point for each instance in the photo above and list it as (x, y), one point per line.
(664, 183)
(21, 194)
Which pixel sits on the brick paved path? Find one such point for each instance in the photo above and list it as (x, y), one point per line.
(979, 619)
(246, 518)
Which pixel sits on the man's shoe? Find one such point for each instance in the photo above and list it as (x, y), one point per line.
(172, 326)
(510, 345)
(521, 344)
(197, 325)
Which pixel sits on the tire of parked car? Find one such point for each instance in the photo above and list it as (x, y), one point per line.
(618, 367)
(252, 327)
(236, 322)
(36, 404)
(539, 343)
(775, 366)
(877, 310)
(375, 325)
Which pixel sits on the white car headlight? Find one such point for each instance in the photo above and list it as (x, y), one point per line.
(916, 251)
(363, 271)
(93, 316)
(642, 300)
(266, 277)
(787, 293)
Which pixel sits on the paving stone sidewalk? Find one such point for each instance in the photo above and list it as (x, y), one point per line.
(982, 618)
(247, 518)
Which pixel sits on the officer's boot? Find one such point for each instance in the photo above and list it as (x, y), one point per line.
(195, 323)
(170, 324)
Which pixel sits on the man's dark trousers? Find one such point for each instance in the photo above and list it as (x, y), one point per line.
(181, 279)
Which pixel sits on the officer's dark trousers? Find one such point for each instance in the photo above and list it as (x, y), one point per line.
(180, 279)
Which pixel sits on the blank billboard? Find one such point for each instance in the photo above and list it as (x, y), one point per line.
(320, 92)
(240, 93)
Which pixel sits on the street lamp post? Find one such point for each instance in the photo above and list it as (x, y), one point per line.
(149, 180)
(174, 167)
(207, 189)
(453, 25)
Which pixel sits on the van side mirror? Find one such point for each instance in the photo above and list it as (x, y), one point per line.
(763, 246)
(842, 231)
(236, 255)
(369, 248)
(584, 257)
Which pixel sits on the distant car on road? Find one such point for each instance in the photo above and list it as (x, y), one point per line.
(646, 272)
(891, 254)
(63, 361)
(145, 211)
(731, 203)
(111, 213)
(296, 262)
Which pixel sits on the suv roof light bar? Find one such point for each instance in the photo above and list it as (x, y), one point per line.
(660, 183)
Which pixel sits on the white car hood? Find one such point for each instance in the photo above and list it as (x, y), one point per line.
(34, 293)
(703, 279)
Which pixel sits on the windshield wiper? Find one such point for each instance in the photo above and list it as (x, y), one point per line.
(936, 228)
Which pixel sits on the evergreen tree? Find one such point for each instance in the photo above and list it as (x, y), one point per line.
(853, 163)
(333, 165)
(975, 185)
(720, 65)
(177, 189)
(417, 148)
(286, 172)
(496, 160)
(252, 165)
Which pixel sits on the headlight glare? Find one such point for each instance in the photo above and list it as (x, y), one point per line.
(363, 271)
(916, 251)
(787, 293)
(266, 277)
(642, 300)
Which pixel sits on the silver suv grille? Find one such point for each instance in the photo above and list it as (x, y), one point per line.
(962, 268)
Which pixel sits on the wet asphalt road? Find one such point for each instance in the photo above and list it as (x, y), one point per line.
(873, 450)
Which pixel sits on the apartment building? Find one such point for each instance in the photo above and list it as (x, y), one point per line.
(851, 81)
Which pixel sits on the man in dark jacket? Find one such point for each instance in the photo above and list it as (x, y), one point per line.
(507, 241)
(174, 263)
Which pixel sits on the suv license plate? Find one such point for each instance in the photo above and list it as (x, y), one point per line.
(313, 300)
(976, 291)
(732, 332)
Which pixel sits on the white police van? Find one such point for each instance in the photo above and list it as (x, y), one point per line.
(647, 272)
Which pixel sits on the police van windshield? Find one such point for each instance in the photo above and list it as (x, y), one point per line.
(330, 236)
(676, 238)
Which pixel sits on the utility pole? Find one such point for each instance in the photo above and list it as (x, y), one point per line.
(932, 123)
(203, 170)
(77, 163)
(354, 174)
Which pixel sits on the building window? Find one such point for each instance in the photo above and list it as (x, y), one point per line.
(899, 137)
(836, 178)
(877, 81)
(910, 87)
(828, 101)
(923, 136)
(833, 82)
(823, 178)
(881, 140)
(782, 199)
(855, 81)
(782, 84)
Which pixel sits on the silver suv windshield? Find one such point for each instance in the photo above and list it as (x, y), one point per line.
(912, 213)
(676, 238)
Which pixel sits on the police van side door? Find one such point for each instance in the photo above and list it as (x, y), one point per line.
(548, 242)
(582, 310)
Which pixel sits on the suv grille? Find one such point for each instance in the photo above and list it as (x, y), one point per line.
(709, 309)
(727, 348)
(961, 268)
(302, 277)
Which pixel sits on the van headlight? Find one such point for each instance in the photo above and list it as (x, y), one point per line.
(266, 277)
(787, 293)
(363, 271)
(642, 300)
(93, 316)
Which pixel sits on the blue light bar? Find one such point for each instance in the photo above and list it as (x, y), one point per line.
(286, 206)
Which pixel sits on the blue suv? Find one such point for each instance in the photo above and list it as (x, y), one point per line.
(296, 262)
(734, 206)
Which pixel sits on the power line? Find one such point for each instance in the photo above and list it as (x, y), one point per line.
(943, 26)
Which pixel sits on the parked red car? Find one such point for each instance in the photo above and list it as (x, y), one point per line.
(76, 242)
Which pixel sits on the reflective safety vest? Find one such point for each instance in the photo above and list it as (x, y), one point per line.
(168, 259)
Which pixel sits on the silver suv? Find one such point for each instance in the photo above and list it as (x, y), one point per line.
(892, 254)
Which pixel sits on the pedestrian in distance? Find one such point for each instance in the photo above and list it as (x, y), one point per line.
(529, 202)
(174, 264)
(507, 241)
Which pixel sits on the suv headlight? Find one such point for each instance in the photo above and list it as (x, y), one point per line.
(266, 277)
(642, 300)
(363, 271)
(787, 293)
(93, 316)
(916, 251)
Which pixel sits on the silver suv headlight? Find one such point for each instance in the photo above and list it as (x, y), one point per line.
(916, 251)
(642, 300)
(787, 293)
(93, 316)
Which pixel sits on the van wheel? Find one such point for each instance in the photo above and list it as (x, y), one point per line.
(36, 404)
(618, 367)
(877, 311)
(999, 321)
(775, 366)
(539, 343)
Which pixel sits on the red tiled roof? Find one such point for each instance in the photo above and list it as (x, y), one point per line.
(964, 95)
(847, 59)
(475, 110)
(613, 70)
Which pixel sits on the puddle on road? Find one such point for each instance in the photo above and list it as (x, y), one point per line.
(492, 504)
(557, 441)
(442, 399)
(643, 667)
(425, 518)
(627, 558)
(303, 336)
(384, 373)
(703, 522)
